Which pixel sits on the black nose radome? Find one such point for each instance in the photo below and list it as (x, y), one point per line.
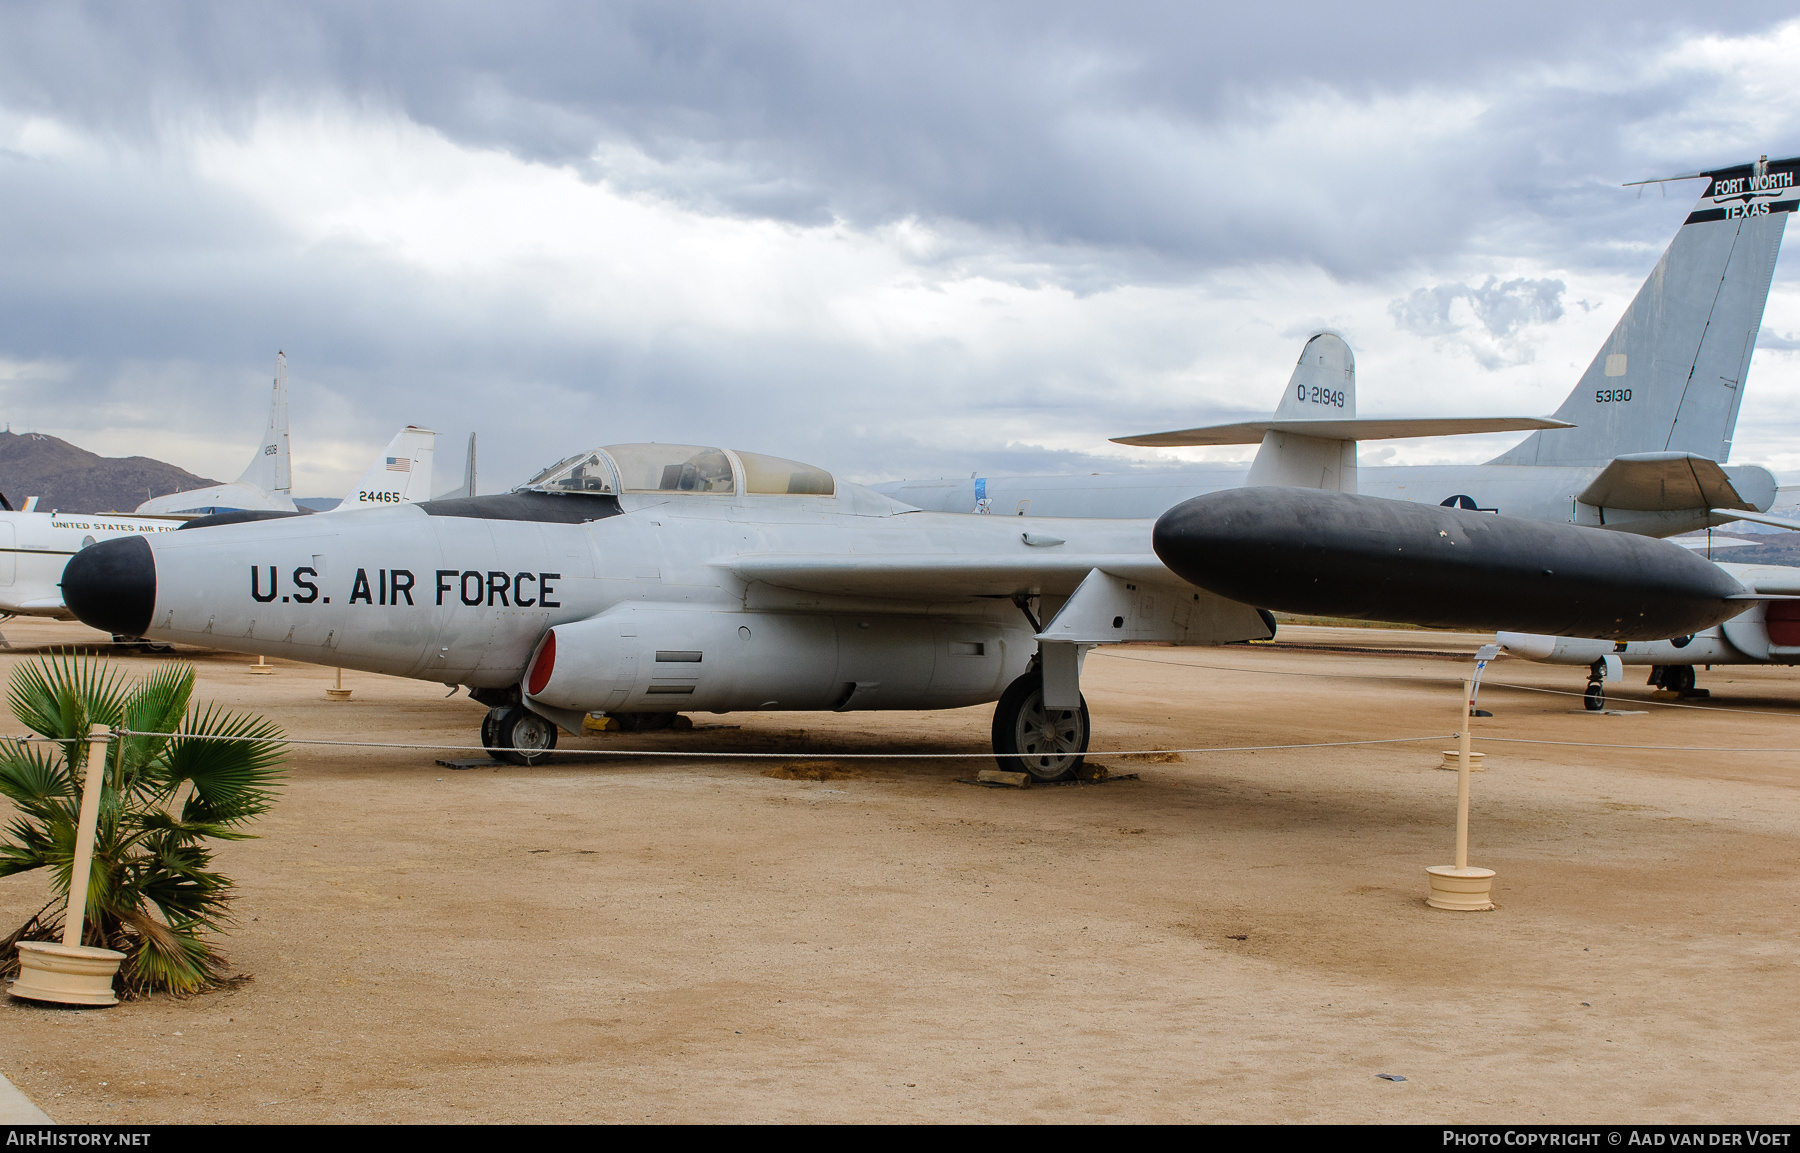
(112, 586)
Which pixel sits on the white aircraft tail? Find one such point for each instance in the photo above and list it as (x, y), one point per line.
(1310, 442)
(1323, 387)
(1670, 377)
(400, 475)
(271, 469)
(467, 487)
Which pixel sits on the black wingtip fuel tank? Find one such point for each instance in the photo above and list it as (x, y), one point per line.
(1335, 554)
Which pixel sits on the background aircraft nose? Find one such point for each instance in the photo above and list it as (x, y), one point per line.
(112, 585)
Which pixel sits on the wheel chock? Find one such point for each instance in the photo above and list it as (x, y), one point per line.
(999, 777)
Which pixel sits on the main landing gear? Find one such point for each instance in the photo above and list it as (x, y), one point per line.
(1677, 679)
(516, 735)
(1048, 744)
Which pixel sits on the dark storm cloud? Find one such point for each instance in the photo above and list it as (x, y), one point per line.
(1062, 124)
(1078, 145)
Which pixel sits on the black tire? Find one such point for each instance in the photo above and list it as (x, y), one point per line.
(490, 729)
(1594, 698)
(1680, 678)
(521, 737)
(1049, 745)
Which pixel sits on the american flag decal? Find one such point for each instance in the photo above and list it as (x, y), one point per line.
(399, 464)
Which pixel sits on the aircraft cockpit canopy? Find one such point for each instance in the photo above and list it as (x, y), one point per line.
(619, 468)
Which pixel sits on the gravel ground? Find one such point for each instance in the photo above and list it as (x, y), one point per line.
(1228, 937)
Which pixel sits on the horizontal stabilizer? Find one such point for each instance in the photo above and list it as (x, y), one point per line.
(1661, 482)
(1364, 428)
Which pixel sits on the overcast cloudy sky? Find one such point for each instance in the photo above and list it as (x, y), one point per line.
(891, 239)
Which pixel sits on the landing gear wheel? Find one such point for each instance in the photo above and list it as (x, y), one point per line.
(490, 727)
(1595, 697)
(1028, 738)
(518, 736)
(1680, 678)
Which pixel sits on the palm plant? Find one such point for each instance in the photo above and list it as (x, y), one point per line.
(153, 894)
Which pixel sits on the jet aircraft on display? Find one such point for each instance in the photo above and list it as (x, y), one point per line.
(642, 580)
(1638, 445)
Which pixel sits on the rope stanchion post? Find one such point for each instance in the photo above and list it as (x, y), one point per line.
(1459, 887)
(340, 693)
(71, 973)
(261, 666)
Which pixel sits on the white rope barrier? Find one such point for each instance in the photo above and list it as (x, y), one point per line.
(781, 756)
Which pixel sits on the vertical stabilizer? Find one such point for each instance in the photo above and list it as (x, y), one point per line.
(400, 475)
(467, 487)
(272, 469)
(1670, 378)
(1323, 387)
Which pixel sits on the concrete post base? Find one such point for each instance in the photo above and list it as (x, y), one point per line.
(1453, 762)
(66, 974)
(337, 694)
(1464, 890)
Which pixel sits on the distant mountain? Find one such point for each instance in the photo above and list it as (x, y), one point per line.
(72, 479)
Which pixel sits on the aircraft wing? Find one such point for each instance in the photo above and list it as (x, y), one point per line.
(914, 577)
(1660, 481)
(1758, 517)
(1358, 428)
(1112, 597)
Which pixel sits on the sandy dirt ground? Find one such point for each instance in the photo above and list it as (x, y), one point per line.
(1230, 937)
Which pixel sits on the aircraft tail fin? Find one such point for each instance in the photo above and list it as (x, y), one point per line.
(271, 469)
(467, 487)
(1670, 377)
(400, 475)
(1323, 386)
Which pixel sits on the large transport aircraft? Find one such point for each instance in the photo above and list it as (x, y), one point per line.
(642, 580)
(36, 546)
(268, 481)
(1638, 445)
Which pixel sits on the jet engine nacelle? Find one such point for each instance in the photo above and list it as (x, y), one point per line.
(646, 658)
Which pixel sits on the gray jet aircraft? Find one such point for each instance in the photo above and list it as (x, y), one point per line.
(641, 580)
(1637, 445)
